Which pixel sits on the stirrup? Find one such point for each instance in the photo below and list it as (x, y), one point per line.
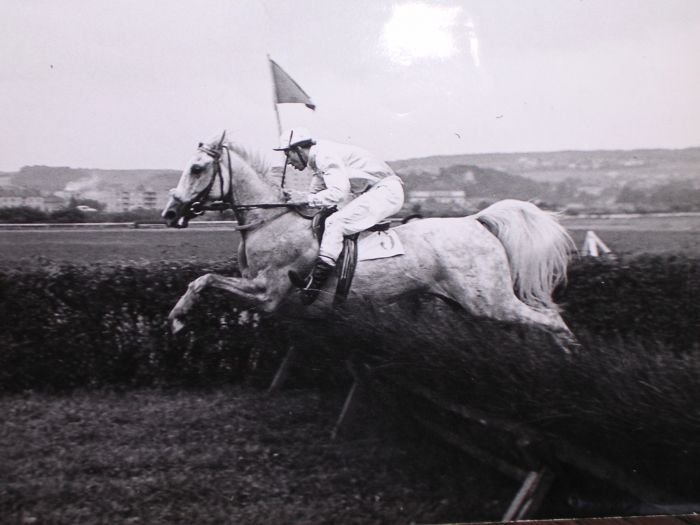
(311, 286)
(308, 295)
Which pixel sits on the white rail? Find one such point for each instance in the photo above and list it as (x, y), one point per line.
(110, 225)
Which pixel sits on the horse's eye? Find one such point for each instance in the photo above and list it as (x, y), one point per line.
(196, 169)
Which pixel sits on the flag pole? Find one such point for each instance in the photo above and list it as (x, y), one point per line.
(274, 96)
(277, 114)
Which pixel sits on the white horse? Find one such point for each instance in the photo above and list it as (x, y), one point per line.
(502, 263)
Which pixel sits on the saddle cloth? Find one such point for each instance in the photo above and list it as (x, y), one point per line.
(371, 245)
(378, 245)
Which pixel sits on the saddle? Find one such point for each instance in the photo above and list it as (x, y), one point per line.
(347, 262)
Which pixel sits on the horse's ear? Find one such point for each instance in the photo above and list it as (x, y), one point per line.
(223, 136)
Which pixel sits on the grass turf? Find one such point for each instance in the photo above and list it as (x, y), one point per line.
(224, 456)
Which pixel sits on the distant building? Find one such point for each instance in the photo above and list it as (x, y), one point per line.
(119, 199)
(11, 197)
(595, 191)
(53, 203)
(148, 199)
(437, 196)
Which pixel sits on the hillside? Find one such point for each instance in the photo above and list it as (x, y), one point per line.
(661, 164)
(52, 179)
(634, 180)
(479, 184)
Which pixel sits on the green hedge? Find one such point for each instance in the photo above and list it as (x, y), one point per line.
(67, 326)
(71, 326)
(652, 298)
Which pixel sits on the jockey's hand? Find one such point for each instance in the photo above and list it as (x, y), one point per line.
(315, 202)
(294, 197)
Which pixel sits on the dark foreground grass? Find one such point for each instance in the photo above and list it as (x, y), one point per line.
(225, 456)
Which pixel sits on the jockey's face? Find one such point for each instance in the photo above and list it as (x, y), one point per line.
(297, 157)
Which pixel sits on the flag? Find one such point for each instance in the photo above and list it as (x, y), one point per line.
(287, 90)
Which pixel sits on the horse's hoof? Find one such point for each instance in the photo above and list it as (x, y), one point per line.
(571, 347)
(176, 325)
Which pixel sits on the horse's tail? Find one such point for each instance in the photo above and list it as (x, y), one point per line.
(538, 248)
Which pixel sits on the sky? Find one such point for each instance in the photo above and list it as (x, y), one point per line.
(138, 83)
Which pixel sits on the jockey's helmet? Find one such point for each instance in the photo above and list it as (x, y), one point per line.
(295, 137)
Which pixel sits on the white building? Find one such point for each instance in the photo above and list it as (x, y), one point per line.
(11, 197)
(119, 199)
(437, 196)
(15, 196)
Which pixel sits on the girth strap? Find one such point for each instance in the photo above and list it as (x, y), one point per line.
(347, 263)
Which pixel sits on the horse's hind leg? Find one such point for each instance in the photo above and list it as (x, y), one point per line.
(508, 308)
(491, 296)
(515, 311)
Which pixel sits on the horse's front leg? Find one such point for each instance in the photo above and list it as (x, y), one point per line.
(254, 291)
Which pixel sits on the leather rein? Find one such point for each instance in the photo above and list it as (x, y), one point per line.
(197, 208)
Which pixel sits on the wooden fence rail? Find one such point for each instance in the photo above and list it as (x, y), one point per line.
(541, 453)
(558, 450)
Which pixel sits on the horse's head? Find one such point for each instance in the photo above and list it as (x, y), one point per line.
(201, 183)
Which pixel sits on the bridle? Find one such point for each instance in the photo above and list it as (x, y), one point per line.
(196, 206)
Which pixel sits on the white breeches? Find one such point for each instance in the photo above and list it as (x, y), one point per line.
(383, 200)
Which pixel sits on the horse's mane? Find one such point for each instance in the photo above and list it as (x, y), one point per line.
(257, 163)
(255, 160)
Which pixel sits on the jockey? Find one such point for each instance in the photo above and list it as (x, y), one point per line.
(363, 188)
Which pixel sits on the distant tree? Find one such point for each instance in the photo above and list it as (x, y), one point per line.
(565, 191)
(67, 215)
(21, 214)
(631, 195)
(676, 196)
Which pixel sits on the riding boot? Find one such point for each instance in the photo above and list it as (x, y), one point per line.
(312, 284)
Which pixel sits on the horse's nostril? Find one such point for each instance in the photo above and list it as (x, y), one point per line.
(169, 215)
